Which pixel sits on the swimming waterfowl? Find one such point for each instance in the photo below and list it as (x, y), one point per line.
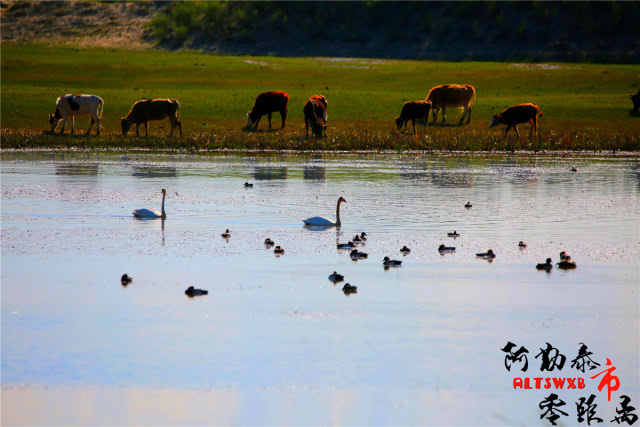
(391, 262)
(522, 245)
(454, 234)
(363, 236)
(405, 250)
(567, 264)
(444, 248)
(268, 242)
(335, 277)
(468, 205)
(345, 245)
(348, 289)
(126, 280)
(564, 256)
(226, 234)
(192, 292)
(355, 255)
(152, 213)
(546, 266)
(573, 169)
(247, 185)
(357, 239)
(322, 221)
(488, 255)
(278, 250)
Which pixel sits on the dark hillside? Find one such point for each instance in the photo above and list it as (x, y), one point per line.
(535, 31)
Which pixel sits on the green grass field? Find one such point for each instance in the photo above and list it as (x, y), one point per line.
(585, 106)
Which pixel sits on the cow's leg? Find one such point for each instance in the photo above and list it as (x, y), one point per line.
(306, 128)
(534, 125)
(179, 125)
(464, 113)
(507, 130)
(269, 117)
(517, 133)
(173, 125)
(98, 122)
(146, 128)
(426, 119)
(435, 114)
(73, 124)
(255, 125)
(64, 124)
(283, 114)
(137, 129)
(469, 116)
(413, 122)
(90, 124)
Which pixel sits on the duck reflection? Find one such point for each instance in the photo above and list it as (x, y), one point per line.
(155, 172)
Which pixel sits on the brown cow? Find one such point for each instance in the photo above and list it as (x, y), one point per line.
(267, 103)
(636, 101)
(413, 110)
(452, 96)
(152, 109)
(315, 113)
(515, 115)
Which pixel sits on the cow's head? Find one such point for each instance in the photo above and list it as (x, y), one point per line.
(399, 123)
(125, 126)
(496, 119)
(54, 119)
(250, 121)
(318, 127)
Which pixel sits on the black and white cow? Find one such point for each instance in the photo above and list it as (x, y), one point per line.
(69, 106)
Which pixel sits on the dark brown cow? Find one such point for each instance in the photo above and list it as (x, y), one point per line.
(315, 114)
(636, 101)
(152, 109)
(413, 110)
(445, 96)
(515, 115)
(267, 103)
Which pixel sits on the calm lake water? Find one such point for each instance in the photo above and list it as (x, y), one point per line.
(275, 342)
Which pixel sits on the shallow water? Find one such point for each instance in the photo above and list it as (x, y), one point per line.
(275, 342)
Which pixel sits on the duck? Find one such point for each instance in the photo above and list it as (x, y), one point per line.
(454, 234)
(573, 169)
(348, 289)
(488, 255)
(357, 239)
(278, 250)
(564, 256)
(444, 248)
(152, 213)
(345, 245)
(391, 262)
(355, 255)
(522, 244)
(363, 236)
(268, 242)
(468, 205)
(192, 292)
(126, 280)
(326, 222)
(335, 277)
(405, 250)
(226, 234)
(567, 264)
(546, 266)
(247, 185)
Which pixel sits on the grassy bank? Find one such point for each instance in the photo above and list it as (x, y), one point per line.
(585, 106)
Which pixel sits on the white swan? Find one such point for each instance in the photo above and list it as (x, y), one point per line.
(151, 213)
(322, 221)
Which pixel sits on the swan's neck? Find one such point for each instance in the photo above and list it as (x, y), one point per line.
(338, 214)
(162, 207)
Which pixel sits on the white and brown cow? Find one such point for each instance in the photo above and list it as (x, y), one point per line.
(69, 106)
(315, 115)
(445, 96)
(267, 103)
(152, 109)
(414, 110)
(517, 114)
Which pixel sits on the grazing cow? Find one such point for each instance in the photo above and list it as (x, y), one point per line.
(413, 110)
(77, 105)
(636, 101)
(452, 96)
(517, 114)
(315, 114)
(267, 103)
(152, 109)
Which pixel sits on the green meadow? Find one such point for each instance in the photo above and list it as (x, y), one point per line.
(586, 106)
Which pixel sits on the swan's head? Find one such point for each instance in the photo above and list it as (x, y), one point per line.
(164, 192)
(341, 199)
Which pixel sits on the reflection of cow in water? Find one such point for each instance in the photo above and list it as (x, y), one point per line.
(267, 103)
(636, 101)
(517, 114)
(69, 106)
(445, 96)
(315, 114)
(414, 110)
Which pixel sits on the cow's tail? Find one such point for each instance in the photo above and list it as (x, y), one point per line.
(100, 109)
(177, 109)
(473, 97)
(540, 113)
